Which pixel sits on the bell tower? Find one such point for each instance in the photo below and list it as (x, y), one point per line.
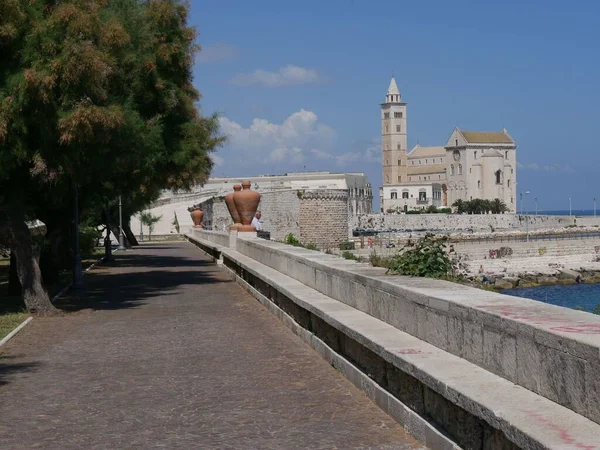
(393, 136)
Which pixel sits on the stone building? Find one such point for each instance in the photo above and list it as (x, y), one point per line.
(314, 206)
(470, 165)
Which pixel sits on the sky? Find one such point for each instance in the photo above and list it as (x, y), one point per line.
(297, 85)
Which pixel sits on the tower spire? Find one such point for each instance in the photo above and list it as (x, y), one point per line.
(393, 93)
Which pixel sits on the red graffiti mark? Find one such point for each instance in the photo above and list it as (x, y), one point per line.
(584, 328)
(564, 435)
(525, 314)
(409, 351)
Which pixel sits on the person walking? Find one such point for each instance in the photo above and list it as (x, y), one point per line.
(256, 221)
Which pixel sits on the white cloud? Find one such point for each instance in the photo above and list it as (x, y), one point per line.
(289, 75)
(545, 168)
(371, 155)
(281, 154)
(218, 52)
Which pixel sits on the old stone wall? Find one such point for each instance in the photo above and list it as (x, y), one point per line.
(324, 217)
(458, 222)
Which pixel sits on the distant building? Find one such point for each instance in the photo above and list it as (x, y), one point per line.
(471, 165)
(313, 205)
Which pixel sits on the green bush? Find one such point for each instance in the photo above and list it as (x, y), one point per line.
(445, 210)
(311, 246)
(425, 258)
(88, 240)
(378, 260)
(349, 255)
(348, 245)
(290, 239)
(413, 211)
(596, 310)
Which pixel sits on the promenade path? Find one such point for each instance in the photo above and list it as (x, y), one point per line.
(164, 351)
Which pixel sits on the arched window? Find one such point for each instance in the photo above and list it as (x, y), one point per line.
(456, 142)
(479, 184)
(399, 179)
(498, 174)
(405, 193)
(394, 195)
(508, 183)
(475, 154)
(398, 128)
(451, 169)
(399, 146)
(387, 129)
(506, 154)
(387, 178)
(387, 146)
(460, 169)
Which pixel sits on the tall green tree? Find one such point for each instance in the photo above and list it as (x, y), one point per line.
(96, 97)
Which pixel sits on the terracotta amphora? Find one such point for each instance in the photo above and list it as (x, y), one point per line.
(246, 203)
(197, 216)
(237, 222)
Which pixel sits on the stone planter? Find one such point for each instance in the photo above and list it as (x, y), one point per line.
(233, 212)
(197, 216)
(246, 203)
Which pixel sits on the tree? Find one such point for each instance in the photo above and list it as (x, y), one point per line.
(498, 206)
(148, 219)
(96, 97)
(460, 206)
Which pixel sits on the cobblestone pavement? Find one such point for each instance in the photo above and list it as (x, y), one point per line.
(170, 353)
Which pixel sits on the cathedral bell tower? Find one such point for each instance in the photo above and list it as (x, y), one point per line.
(393, 136)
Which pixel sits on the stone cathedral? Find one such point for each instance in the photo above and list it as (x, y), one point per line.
(472, 164)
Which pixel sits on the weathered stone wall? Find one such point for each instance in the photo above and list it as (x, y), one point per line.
(280, 213)
(216, 215)
(324, 217)
(459, 222)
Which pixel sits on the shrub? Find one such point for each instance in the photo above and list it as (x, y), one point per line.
(413, 211)
(348, 245)
(349, 255)
(88, 240)
(425, 258)
(290, 239)
(378, 260)
(596, 310)
(311, 246)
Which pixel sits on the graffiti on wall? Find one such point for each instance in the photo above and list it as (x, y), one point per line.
(501, 252)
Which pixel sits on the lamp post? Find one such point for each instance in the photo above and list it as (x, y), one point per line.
(594, 206)
(108, 258)
(569, 206)
(536, 206)
(77, 268)
(526, 219)
(121, 244)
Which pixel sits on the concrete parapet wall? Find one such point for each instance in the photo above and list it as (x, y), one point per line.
(216, 237)
(552, 351)
(443, 400)
(462, 222)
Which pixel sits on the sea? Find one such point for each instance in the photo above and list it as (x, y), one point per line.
(577, 296)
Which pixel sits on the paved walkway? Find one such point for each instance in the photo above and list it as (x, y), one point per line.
(172, 354)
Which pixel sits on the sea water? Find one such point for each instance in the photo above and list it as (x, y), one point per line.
(586, 296)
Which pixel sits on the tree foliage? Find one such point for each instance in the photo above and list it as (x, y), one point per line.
(480, 206)
(96, 95)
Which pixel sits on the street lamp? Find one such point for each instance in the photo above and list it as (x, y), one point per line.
(77, 267)
(594, 206)
(526, 218)
(536, 206)
(569, 206)
(121, 244)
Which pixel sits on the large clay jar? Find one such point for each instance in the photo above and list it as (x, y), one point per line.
(197, 216)
(237, 222)
(246, 203)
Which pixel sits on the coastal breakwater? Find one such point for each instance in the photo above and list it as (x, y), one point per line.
(452, 223)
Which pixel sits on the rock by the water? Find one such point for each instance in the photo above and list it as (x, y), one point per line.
(568, 274)
(503, 284)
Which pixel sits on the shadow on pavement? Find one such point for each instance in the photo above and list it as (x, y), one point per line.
(8, 368)
(119, 287)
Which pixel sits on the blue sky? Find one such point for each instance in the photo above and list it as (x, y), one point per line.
(298, 84)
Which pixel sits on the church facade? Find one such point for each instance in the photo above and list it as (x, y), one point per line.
(472, 164)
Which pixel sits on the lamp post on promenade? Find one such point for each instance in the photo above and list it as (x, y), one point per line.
(526, 218)
(121, 243)
(594, 206)
(536, 206)
(569, 206)
(77, 268)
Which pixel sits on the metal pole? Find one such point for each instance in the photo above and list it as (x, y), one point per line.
(594, 206)
(107, 244)
(121, 243)
(77, 268)
(536, 206)
(569, 206)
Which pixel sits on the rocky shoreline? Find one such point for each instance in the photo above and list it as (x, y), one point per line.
(500, 282)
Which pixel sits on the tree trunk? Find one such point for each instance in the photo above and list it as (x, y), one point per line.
(14, 285)
(129, 234)
(34, 295)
